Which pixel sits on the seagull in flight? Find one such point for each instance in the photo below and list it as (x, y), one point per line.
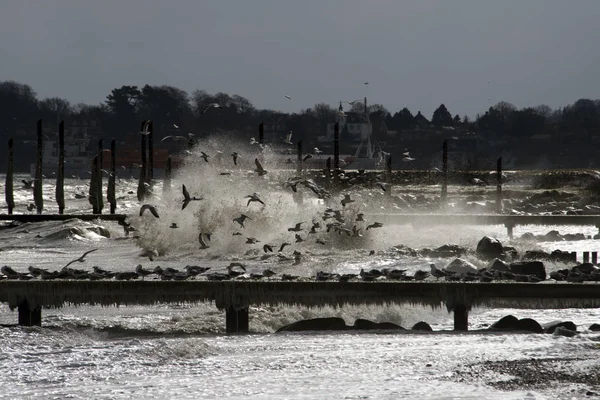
(240, 220)
(176, 138)
(288, 97)
(203, 244)
(235, 156)
(145, 128)
(149, 207)
(187, 198)
(175, 126)
(204, 155)
(261, 171)
(254, 197)
(288, 139)
(211, 105)
(80, 259)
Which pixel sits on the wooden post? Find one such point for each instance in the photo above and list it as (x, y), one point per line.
(98, 171)
(574, 256)
(444, 196)
(167, 180)
(261, 133)
(461, 318)
(236, 320)
(93, 192)
(328, 172)
(111, 189)
(586, 256)
(141, 190)
(299, 159)
(8, 190)
(37, 184)
(336, 148)
(388, 175)
(150, 170)
(60, 176)
(594, 257)
(28, 317)
(499, 186)
(509, 229)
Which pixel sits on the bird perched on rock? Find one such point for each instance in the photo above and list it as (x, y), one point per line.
(437, 273)
(142, 272)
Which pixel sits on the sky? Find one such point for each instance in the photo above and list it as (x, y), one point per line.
(467, 54)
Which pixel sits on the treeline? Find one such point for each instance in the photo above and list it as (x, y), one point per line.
(172, 108)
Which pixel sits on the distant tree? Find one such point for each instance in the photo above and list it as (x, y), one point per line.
(543, 110)
(18, 105)
(526, 123)
(466, 120)
(55, 109)
(403, 119)
(456, 121)
(442, 117)
(165, 105)
(122, 105)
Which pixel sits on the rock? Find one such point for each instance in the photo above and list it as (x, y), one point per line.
(562, 331)
(510, 253)
(506, 323)
(529, 325)
(422, 326)
(527, 237)
(99, 230)
(489, 248)
(497, 265)
(561, 256)
(535, 268)
(594, 327)
(315, 324)
(448, 250)
(460, 266)
(586, 268)
(549, 327)
(366, 325)
(552, 236)
(536, 255)
(574, 236)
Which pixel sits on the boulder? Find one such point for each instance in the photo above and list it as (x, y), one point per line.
(315, 324)
(528, 237)
(447, 250)
(460, 266)
(529, 325)
(489, 248)
(536, 255)
(497, 265)
(99, 230)
(510, 253)
(508, 323)
(535, 268)
(574, 236)
(594, 327)
(550, 327)
(422, 326)
(552, 236)
(562, 331)
(586, 268)
(366, 325)
(561, 256)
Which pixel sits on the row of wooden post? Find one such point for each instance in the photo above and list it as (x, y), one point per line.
(95, 191)
(147, 171)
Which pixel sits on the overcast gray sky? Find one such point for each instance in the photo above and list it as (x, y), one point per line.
(468, 54)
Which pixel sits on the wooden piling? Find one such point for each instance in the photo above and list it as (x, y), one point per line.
(299, 159)
(336, 148)
(141, 190)
(8, 189)
(594, 257)
(150, 171)
(37, 184)
(93, 191)
(112, 184)
(499, 186)
(29, 317)
(586, 256)
(388, 175)
(444, 195)
(60, 175)
(98, 171)
(167, 180)
(236, 320)
(261, 133)
(461, 318)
